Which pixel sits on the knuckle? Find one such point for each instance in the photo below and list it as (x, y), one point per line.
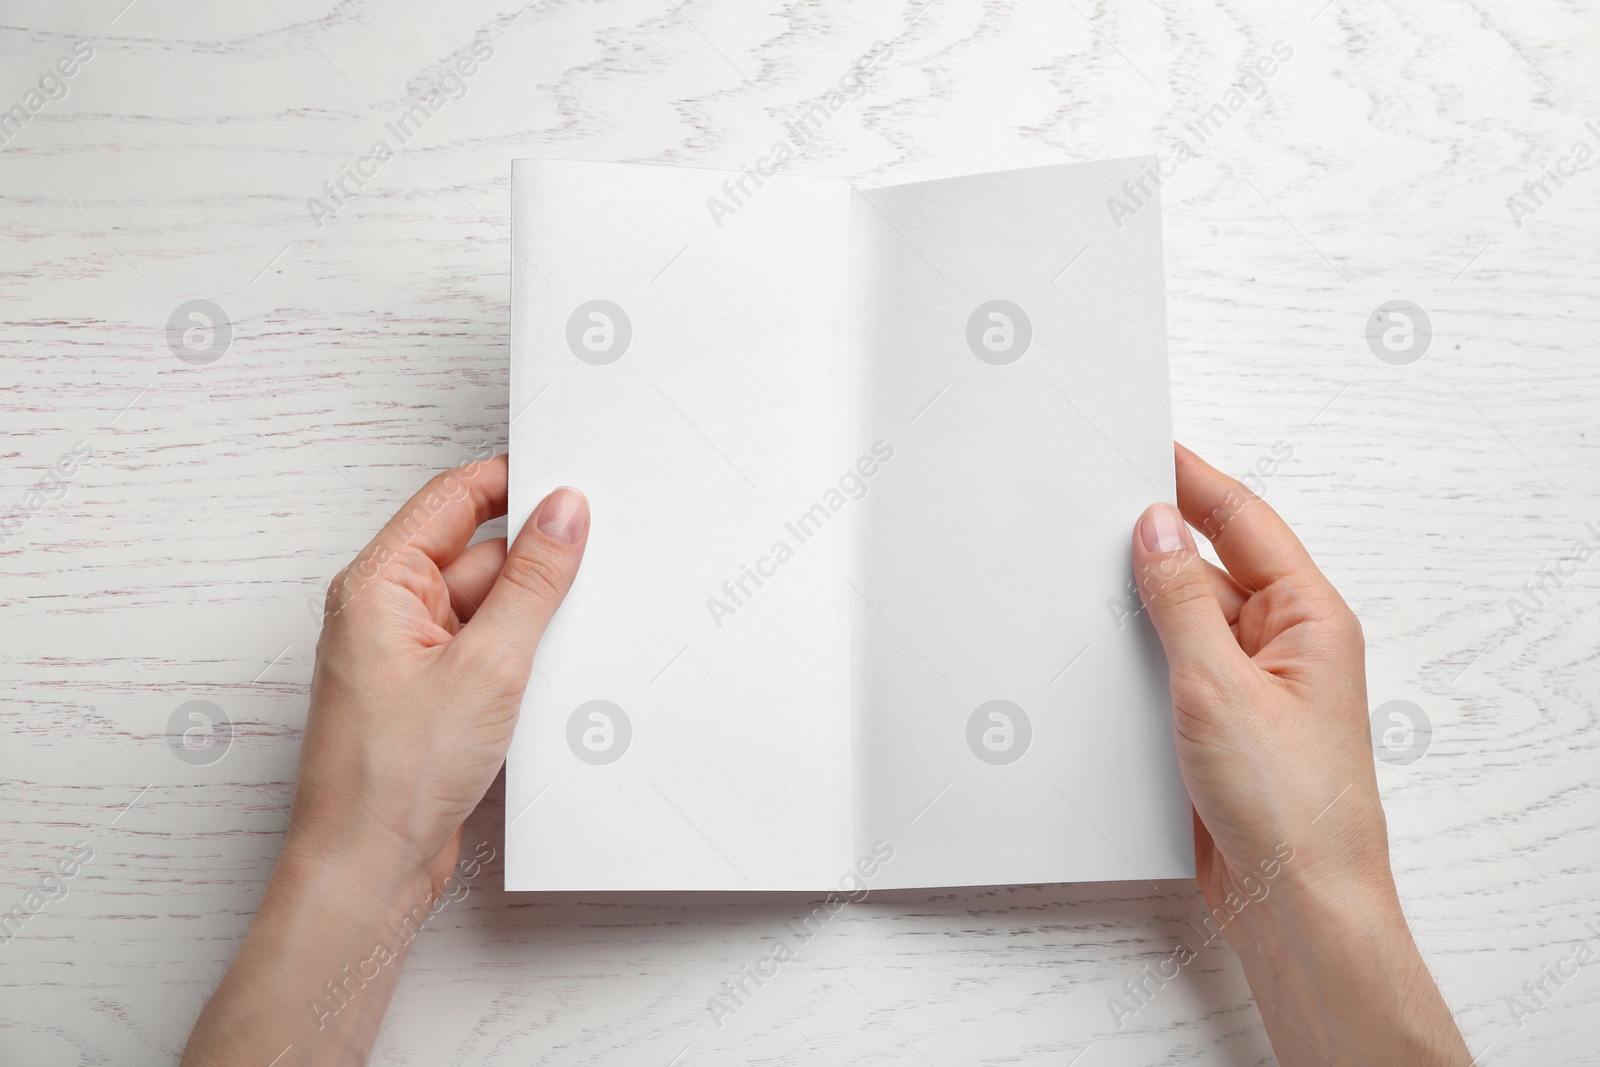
(486, 665)
(447, 483)
(341, 591)
(1220, 518)
(1350, 625)
(1346, 630)
(496, 663)
(509, 673)
(1311, 586)
(410, 562)
(1170, 584)
(1205, 686)
(537, 574)
(1328, 610)
(1187, 590)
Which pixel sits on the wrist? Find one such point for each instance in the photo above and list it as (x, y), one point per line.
(320, 962)
(370, 888)
(1337, 976)
(1328, 917)
(344, 832)
(338, 883)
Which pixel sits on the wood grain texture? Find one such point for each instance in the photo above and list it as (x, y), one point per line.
(371, 350)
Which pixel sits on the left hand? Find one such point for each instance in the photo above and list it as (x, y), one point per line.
(425, 651)
(426, 647)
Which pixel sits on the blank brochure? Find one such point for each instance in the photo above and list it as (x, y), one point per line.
(864, 466)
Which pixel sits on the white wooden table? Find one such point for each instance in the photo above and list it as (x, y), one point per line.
(207, 503)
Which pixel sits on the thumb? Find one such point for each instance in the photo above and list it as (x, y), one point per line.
(539, 568)
(1176, 588)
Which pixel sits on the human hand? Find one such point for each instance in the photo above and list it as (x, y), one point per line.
(426, 649)
(1269, 695)
(1270, 720)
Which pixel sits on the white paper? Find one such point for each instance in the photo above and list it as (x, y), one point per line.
(828, 530)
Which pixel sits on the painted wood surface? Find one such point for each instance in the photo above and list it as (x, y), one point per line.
(206, 504)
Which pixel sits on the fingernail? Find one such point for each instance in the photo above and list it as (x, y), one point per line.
(563, 515)
(1163, 530)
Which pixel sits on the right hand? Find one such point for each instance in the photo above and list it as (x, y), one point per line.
(1269, 704)
(1269, 695)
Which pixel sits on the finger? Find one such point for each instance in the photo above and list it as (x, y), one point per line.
(1253, 542)
(1230, 594)
(1180, 594)
(538, 571)
(444, 514)
(470, 575)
